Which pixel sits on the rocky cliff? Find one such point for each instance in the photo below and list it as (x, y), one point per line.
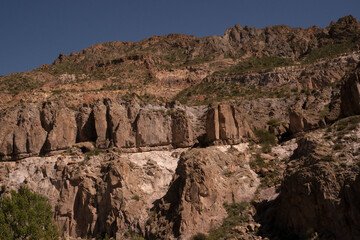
(250, 135)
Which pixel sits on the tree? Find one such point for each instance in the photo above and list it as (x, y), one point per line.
(26, 215)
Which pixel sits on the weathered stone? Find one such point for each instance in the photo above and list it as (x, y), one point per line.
(153, 128)
(350, 94)
(194, 201)
(61, 125)
(212, 124)
(182, 133)
(22, 132)
(101, 124)
(85, 122)
(224, 123)
(120, 126)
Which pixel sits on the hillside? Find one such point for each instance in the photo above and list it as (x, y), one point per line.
(249, 135)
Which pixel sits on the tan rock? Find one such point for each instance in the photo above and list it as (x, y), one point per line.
(121, 131)
(85, 122)
(182, 132)
(224, 123)
(61, 125)
(101, 124)
(350, 94)
(153, 128)
(194, 201)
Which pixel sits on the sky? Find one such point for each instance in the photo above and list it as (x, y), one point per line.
(36, 32)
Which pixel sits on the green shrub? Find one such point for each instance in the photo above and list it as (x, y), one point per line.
(26, 215)
(273, 123)
(236, 215)
(199, 236)
(136, 197)
(266, 139)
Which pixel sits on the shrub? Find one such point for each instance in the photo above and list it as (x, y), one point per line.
(273, 123)
(328, 158)
(236, 215)
(266, 139)
(256, 64)
(26, 215)
(199, 236)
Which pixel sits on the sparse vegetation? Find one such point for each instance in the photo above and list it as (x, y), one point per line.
(266, 139)
(94, 152)
(329, 51)
(328, 158)
(257, 163)
(273, 123)
(325, 111)
(136, 197)
(216, 91)
(131, 235)
(256, 64)
(346, 124)
(237, 213)
(18, 82)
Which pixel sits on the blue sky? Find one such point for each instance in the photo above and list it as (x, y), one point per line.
(35, 32)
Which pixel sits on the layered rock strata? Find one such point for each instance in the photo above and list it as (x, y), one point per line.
(30, 130)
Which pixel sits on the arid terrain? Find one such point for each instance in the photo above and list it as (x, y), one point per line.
(251, 135)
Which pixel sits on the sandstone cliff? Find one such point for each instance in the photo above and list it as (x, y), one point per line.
(250, 135)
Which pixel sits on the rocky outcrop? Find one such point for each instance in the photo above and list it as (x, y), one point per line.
(133, 192)
(34, 129)
(315, 111)
(320, 192)
(161, 125)
(59, 122)
(350, 94)
(21, 133)
(224, 123)
(182, 132)
(204, 180)
(101, 194)
(121, 120)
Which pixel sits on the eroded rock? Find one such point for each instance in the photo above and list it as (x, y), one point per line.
(204, 180)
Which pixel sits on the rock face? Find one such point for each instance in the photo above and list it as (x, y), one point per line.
(182, 132)
(21, 133)
(153, 129)
(103, 194)
(350, 94)
(224, 123)
(34, 129)
(101, 166)
(204, 180)
(320, 190)
(113, 194)
(60, 124)
(314, 111)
